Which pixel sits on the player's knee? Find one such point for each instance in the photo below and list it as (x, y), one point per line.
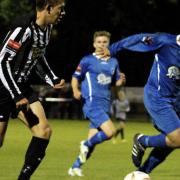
(175, 139)
(111, 133)
(44, 131)
(175, 142)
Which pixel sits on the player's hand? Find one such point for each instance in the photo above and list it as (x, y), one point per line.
(122, 80)
(148, 40)
(22, 104)
(103, 52)
(60, 85)
(77, 94)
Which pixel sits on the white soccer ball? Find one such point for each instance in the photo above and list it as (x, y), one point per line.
(137, 175)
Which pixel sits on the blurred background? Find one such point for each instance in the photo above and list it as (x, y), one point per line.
(72, 39)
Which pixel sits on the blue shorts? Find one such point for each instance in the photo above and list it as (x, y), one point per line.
(162, 111)
(97, 114)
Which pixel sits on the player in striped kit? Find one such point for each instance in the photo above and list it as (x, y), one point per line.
(21, 54)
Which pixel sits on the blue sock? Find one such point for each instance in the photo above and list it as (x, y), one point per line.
(96, 139)
(156, 157)
(150, 165)
(77, 163)
(153, 141)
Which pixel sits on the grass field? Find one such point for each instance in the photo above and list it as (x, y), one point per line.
(109, 162)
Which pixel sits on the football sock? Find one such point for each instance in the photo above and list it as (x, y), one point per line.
(157, 156)
(96, 139)
(34, 155)
(91, 149)
(153, 141)
(78, 163)
(117, 132)
(122, 133)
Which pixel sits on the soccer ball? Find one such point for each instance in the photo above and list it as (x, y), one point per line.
(137, 175)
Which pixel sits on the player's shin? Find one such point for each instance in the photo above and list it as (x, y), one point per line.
(34, 155)
(153, 141)
(156, 157)
(96, 139)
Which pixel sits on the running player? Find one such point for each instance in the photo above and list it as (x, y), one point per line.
(161, 95)
(96, 76)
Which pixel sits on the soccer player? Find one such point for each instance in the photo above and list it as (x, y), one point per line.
(96, 76)
(22, 53)
(161, 95)
(120, 106)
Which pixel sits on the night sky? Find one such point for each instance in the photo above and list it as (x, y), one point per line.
(73, 36)
(121, 18)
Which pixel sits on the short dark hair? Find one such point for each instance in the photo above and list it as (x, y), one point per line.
(101, 33)
(41, 4)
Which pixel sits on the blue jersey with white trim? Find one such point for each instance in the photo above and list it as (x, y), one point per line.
(96, 76)
(164, 77)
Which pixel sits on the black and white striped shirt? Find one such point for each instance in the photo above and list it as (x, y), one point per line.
(22, 51)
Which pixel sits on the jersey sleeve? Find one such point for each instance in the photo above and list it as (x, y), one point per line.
(139, 43)
(45, 72)
(117, 73)
(9, 49)
(81, 69)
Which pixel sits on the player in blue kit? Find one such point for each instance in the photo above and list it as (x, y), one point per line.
(96, 76)
(161, 95)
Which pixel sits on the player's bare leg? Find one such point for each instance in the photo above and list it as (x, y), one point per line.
(107, 131)
(41, 132)
(75, 170)
(3, 127)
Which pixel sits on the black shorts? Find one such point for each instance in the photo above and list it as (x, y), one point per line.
(8, 106)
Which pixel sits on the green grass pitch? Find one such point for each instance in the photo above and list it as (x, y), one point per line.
(109, 162)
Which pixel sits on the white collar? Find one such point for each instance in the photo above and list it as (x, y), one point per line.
(98, 57)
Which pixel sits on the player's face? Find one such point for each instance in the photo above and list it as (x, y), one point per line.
(56, 13)
(101, 42)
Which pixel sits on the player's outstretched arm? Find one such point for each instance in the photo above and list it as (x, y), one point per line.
(75, 88)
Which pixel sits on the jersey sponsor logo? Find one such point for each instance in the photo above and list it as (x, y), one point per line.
(173, 73)
(103, 79)
(13, 45)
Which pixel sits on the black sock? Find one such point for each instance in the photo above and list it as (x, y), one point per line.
(90, 152)
(122, 133)
(117, 132)
(157, 156)
(34, 155)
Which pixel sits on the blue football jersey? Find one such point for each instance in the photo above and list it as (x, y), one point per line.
(164, 77)
(97, 76)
